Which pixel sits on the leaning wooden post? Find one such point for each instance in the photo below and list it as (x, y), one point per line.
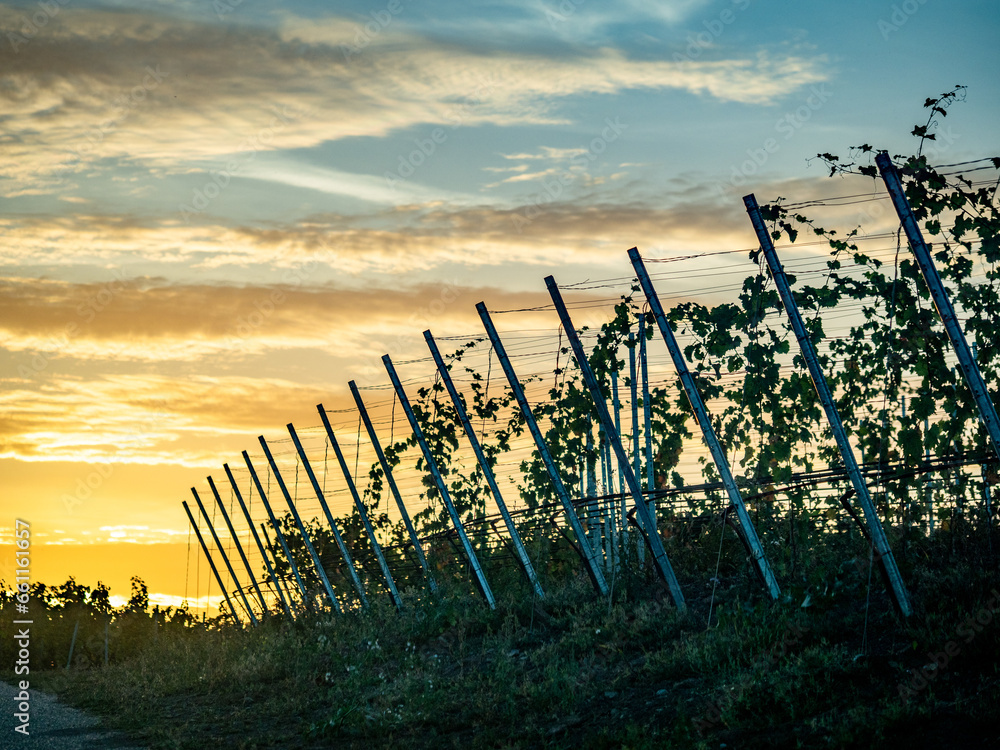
(636, 455)
(256, 538)
(211, 562)
(225, 557)
(634, 387)
(344, 551)
(617, 404)
(277, 532)
(966, 359)
(590, 460)
(442, 488)
(360, 506)
(647, 415)
(876, 533)
(320, 571)
(746, 526)
(282, 584)
(484, 464)
(72, 643)
(239, 547)
(646, 518)
(393, 489)
(583, 545)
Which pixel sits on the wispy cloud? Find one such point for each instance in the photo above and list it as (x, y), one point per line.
(98, 85)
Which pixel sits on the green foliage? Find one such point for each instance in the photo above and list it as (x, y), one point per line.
(572, 671)
(823, 667)
(897, 393)
(57, 611)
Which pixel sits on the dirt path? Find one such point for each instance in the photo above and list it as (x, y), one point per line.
(54, 726)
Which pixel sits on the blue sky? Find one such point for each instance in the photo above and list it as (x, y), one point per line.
(167, 167)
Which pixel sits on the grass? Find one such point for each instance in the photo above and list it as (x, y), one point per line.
(577, 671)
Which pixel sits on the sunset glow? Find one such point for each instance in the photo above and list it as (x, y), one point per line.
(213, 220)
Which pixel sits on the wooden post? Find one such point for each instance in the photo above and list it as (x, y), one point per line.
(583, 545)
(256, 538)
(432, 467)
(215, 571)
(876, 533)
(362, 511)
(282, 584)
(391, 481)
(746, 527)
(484, 464)
(647, 416)
(72, 643)
(592, 522)
(306, 600)
(636, 455)
(225, 557)
(239, 547)
(966, 359)
(647, 519)
(320, 571)
(344, 551)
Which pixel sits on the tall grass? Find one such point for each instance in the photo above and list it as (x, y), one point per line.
(574, 670)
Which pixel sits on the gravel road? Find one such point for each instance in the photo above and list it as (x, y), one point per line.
(54, 726)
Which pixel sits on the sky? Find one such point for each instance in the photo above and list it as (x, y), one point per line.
(216, 214)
